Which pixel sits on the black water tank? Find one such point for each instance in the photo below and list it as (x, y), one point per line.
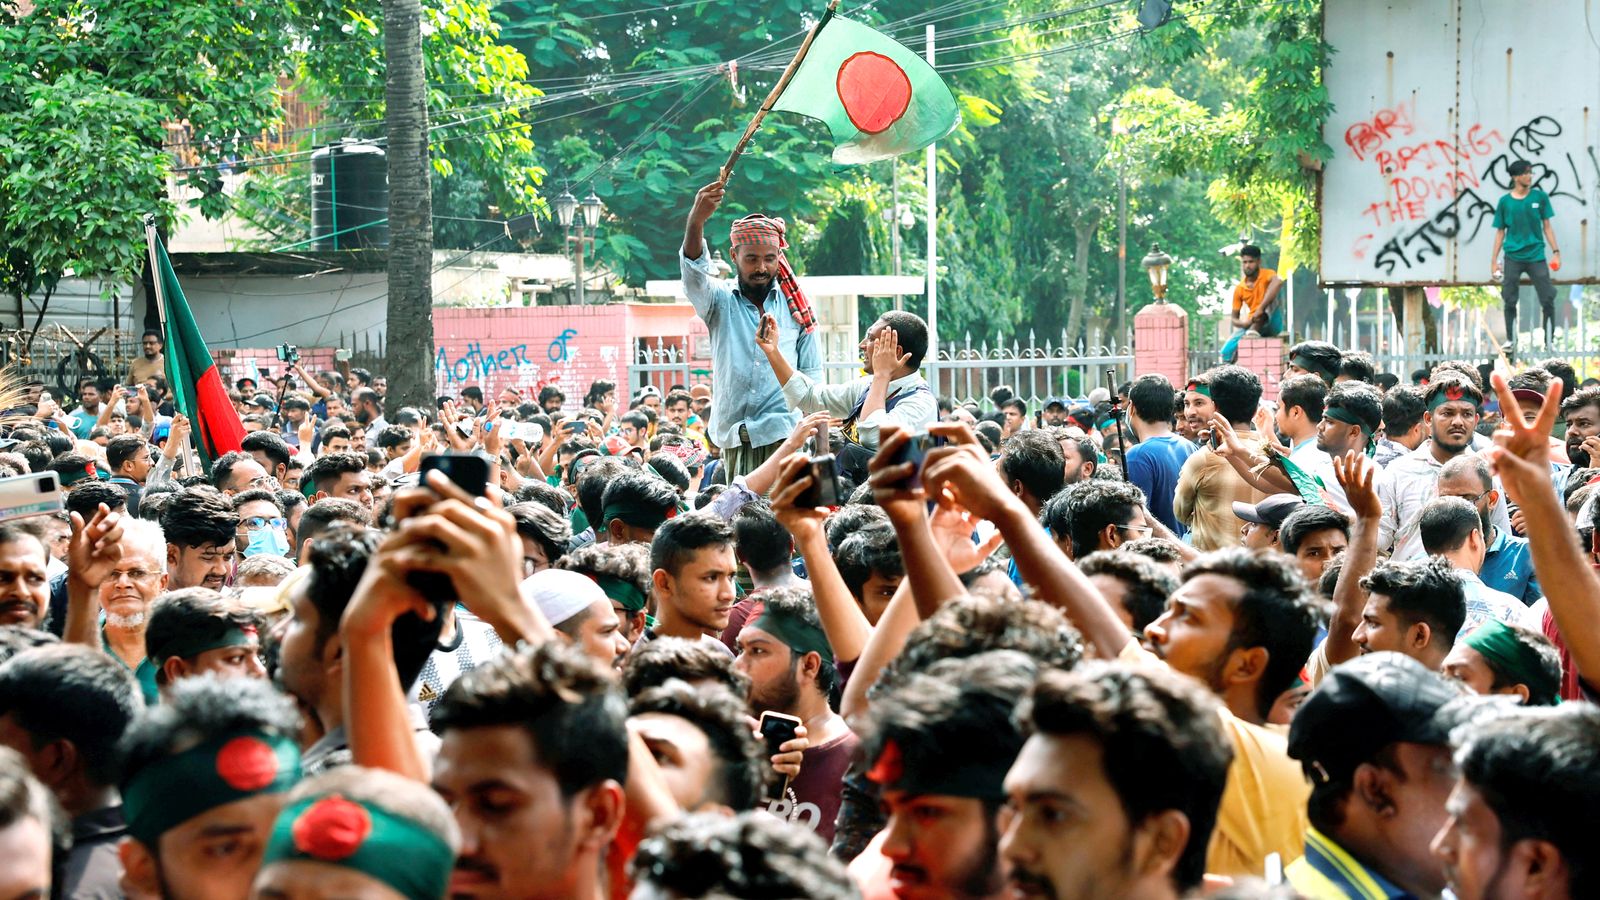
(349, 190)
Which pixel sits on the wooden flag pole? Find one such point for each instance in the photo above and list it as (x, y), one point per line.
(777, 91)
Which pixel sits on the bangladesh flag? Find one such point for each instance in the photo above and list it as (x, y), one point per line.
(878, 98)
(192, 377)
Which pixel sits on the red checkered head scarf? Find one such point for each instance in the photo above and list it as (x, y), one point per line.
(758, 230)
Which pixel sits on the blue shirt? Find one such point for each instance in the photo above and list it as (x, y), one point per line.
(747, 391)
(1508, 567)
(1153, 465)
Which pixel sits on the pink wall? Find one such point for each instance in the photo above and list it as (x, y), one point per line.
(1161, 342)
(525, 347)
(1264, 356)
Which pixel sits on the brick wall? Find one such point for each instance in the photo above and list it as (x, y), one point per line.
(1264, 356)
(1161, 342)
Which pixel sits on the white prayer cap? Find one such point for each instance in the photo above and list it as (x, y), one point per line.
(560, 594)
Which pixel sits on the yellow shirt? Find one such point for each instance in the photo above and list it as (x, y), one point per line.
(1263, 809)
(1207, 487)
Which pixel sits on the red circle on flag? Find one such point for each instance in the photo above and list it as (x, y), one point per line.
(247, 764)
(333, 828)
(875, 91)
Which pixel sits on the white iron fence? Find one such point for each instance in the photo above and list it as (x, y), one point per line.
(963, 371)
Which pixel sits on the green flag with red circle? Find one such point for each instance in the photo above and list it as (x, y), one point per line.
(878, 98)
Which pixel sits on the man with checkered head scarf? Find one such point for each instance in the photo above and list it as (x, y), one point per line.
(749, 417)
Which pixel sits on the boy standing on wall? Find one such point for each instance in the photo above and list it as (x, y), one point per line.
(1522, 228)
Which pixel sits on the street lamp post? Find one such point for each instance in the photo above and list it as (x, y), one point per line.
(1156, 264)
(567, 209)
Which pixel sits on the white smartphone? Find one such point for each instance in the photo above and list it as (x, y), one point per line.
(36, 494)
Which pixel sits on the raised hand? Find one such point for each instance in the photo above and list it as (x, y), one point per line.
(1521, 455)
(767, 334)
(891, 481)
(884, 352)
(706, 201)
(793, 479)
(95, 547)
(1356, 474)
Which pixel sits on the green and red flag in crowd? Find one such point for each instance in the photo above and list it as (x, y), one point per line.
(878, 98)
(192, 377)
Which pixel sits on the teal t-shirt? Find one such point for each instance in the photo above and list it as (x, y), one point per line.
(1523, 221)
(145, 674)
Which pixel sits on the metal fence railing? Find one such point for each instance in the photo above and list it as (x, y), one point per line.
(963, 372)
(62, 357)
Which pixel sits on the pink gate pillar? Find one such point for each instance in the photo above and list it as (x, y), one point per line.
(1161, 342)
(1264, 356)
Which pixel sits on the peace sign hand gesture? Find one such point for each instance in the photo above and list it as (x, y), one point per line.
(1521, 455)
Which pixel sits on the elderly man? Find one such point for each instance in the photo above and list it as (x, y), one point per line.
(750, 417)
(124, 589)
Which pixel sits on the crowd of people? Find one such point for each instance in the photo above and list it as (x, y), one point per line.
(773, 638)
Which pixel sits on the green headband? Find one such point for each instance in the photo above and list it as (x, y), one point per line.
(635, 514)
(1301, 362)
(189, 646)
(1513, 661)
(364, 838)
(1445, 396)
(798, 634)
(1196, 387)
(231, 767)
(979, 779)
(622, 591)
(1339, 414)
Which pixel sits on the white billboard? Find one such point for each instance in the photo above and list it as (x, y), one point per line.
(1432, 101)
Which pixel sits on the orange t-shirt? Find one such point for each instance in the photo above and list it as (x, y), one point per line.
(1253, 295)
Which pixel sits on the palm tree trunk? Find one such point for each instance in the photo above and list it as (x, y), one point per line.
(409, 363)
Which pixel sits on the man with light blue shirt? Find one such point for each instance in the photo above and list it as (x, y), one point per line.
(1507, 560)
(891, 393)
(749, 416)
(1450, 529)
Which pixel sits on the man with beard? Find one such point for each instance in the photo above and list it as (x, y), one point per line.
(1413, 608)
(1117, 789)
(693, 568)
(199, 525)
(938, 746)
(125, 588)
(750, 417)
(1581, 412)
(1373, 740)
(203, 778)
(368, 409)
(786, 655)
(580, 612)
(24, 582)
(1406, 486)
(1525, 808)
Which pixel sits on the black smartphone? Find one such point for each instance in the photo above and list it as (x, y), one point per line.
(766, 328)
(824, 471)
(468, 471)
(777, 729)
(915, 450)
(414, 639)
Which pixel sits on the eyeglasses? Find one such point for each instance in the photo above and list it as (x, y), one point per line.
(1473, 498)
(256, 522)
